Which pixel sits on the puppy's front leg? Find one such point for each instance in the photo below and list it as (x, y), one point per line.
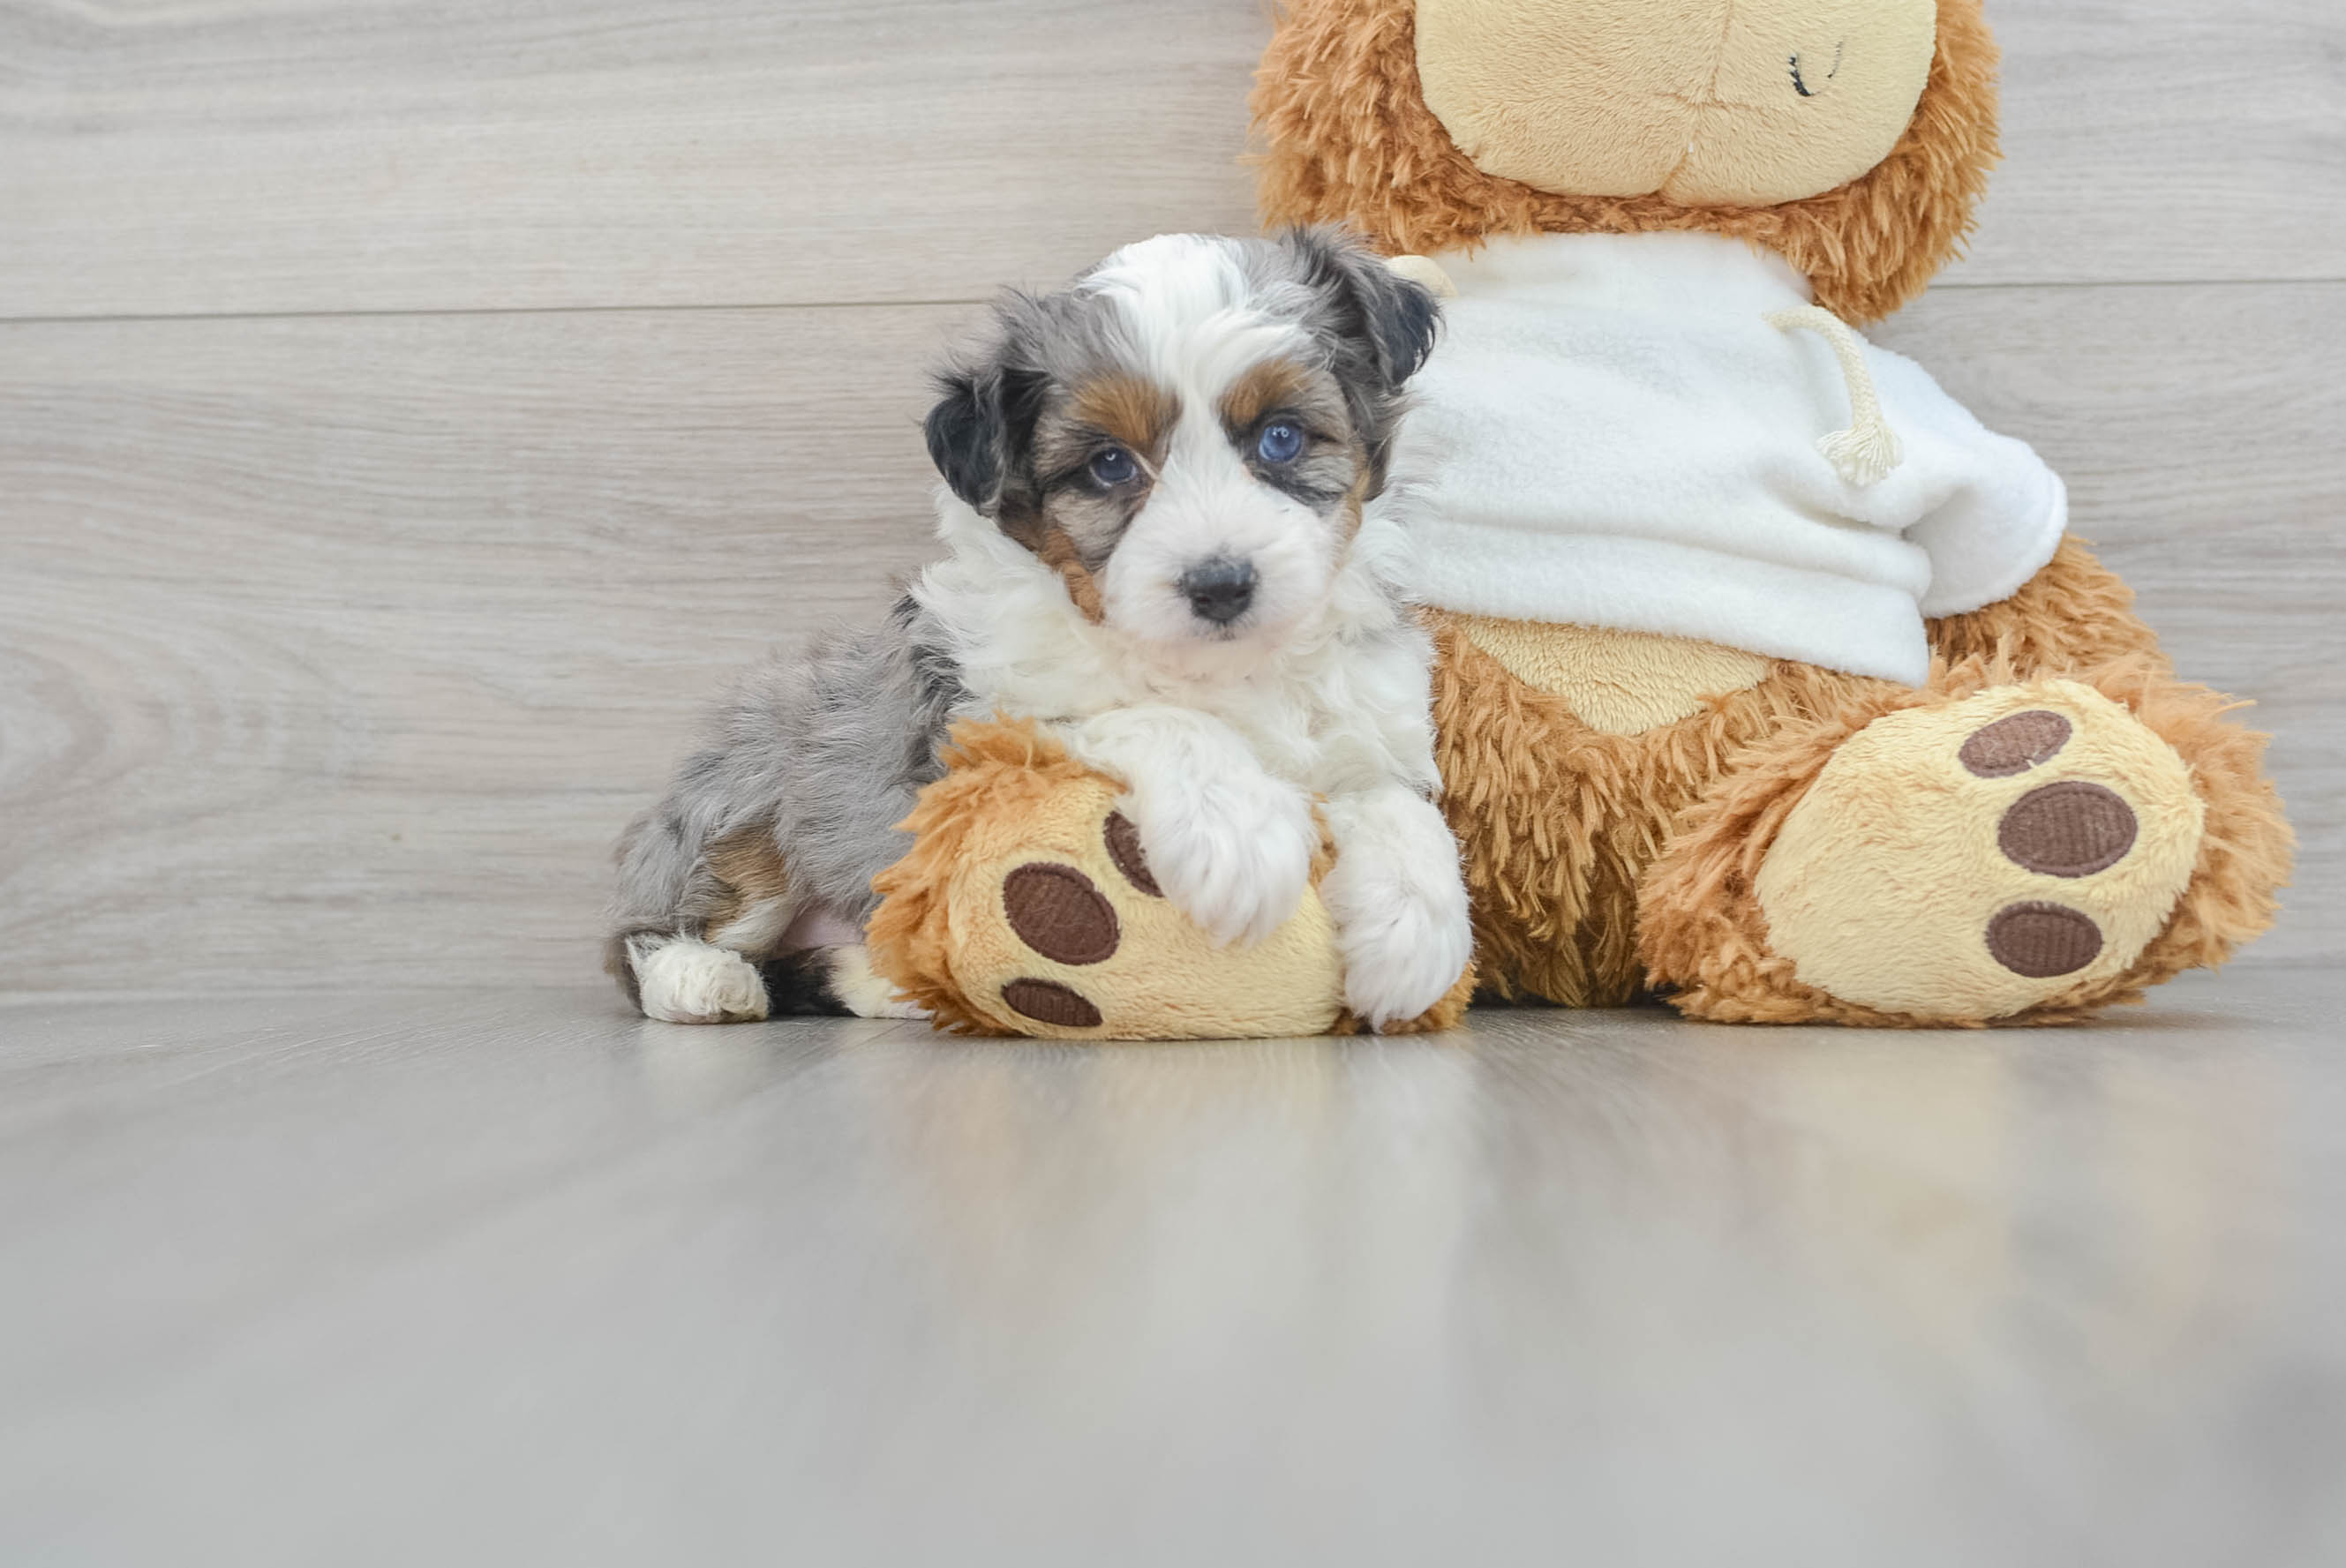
(1230, 845)
(1399, 900)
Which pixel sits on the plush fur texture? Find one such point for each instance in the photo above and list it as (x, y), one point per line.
(2076, 618)
(1559, 821)
(1932, 872)
(1647, 876)
(1703, 934)
(1349, 138)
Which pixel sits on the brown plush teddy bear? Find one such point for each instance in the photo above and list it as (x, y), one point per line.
(1769, 681)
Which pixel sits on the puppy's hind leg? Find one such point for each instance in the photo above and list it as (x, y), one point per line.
(694, 960)
(836, 981)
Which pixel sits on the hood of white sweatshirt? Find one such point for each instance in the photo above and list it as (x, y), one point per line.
(1612, 432)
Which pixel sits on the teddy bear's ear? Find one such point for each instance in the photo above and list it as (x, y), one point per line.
(1394, 318)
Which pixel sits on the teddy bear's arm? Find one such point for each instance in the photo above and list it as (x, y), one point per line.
(2074, 613)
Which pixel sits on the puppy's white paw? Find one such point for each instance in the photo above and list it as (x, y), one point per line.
(682, 980)
(1400, 905)
(1402, 958)
(1233, 852)
(862, 992)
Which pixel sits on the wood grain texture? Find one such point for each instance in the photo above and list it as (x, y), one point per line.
(352, 642)
(2162, 140)
(512, 1278)
(339, 155)
(336, 651)
(251, 156)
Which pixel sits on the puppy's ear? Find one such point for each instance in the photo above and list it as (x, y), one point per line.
(1396, 320)
(968, 435)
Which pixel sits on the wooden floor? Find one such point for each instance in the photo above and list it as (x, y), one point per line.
(515, 1279)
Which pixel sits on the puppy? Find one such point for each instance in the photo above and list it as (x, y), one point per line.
(1160, 545)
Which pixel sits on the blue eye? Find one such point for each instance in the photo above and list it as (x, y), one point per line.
(1280, 442)
(1113, 467)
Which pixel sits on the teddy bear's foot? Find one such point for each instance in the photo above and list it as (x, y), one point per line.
(1985, 858)
(1027, 907)
(2012, 855)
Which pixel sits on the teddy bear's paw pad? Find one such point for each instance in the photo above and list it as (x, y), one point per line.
(1048, 1002)
(2043, 941)
(1056, 911)
(1122, 836)
(2015, 744)
(2071, 830)
(1067, 936)
(1972, 861)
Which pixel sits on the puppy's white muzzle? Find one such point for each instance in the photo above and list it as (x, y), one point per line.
(1228, 562)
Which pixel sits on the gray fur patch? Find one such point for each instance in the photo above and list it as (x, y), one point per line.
(826, 753)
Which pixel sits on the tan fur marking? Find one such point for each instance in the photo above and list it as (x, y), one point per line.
(1130, 409)
(1356, 499)
(1270, 386)
(1057, 551)
(752, 872)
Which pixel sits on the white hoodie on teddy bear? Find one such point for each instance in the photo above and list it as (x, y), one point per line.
(1657, 432)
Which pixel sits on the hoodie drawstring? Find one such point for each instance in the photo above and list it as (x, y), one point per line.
(1869, 450)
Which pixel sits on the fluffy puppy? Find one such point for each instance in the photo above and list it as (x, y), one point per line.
(1159, 544)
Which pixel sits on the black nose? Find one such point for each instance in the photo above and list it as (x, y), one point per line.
(1219, 589)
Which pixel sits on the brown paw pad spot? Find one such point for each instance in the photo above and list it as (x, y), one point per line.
(1048, 1002)
(1056, 911)
(2068, 830)
(1124, 849)
(2041, 942)
(2015, 744)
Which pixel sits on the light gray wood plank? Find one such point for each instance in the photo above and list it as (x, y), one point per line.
(331, 155)
(337, 651)
(512, 1278)
(2159, 140)
(346, 646)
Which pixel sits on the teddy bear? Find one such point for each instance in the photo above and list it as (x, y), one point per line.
(1770, 683)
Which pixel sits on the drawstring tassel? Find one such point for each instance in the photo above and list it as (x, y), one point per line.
(1869, 450)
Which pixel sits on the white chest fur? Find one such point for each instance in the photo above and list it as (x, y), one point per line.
(1340, 705)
